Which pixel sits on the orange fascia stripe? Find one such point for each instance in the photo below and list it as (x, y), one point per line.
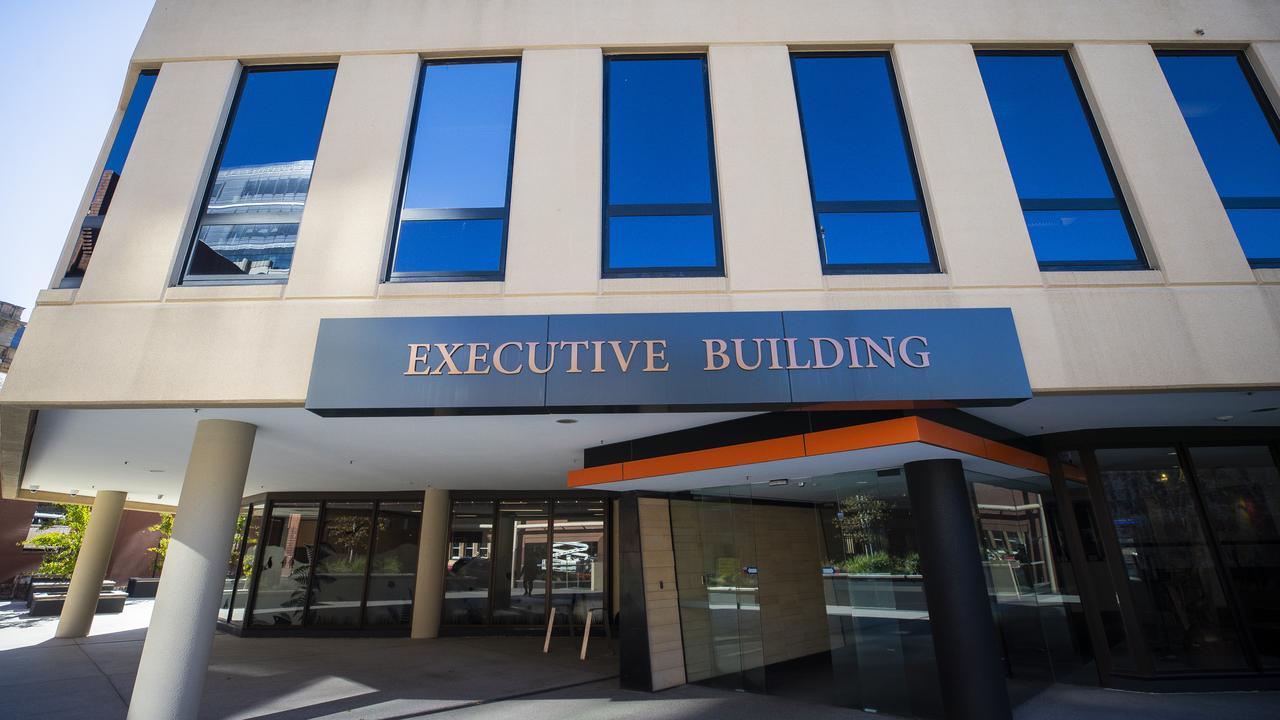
(861, 437)
(858, 437)
(750, 453)
(595, 475)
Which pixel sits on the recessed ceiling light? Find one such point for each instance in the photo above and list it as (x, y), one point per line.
(157, 471)
(566, 421)
(779, 481)
(1225, 418)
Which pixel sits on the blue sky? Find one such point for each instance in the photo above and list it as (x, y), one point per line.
(65, 64)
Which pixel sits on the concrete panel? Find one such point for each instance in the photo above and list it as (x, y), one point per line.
(1172, 199)
(162, 183)
(223, 29)
(968, 188)
(770, 242)
(342, 240)
(553, 244)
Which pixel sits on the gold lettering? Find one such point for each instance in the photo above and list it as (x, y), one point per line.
(415, 359)
(551, 357)
(818, 364)
(853, 352)
(477, 358)
(447, 350)
(497, 359)
(623, 362)
(573, 346)
(737, 353)
(653, 355)
(599, 366)
(716, 359)
(791, 356)
(885, 353)
(922, 356)
(773, 354)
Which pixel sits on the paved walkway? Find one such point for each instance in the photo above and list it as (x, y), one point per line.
(458, 678)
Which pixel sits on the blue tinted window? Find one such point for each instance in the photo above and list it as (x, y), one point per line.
(861, 173)
(660, 191)
(250, 221)
(1072, 204)
(453, 215)
(106, 186)
(129, 123)
(1235, 129)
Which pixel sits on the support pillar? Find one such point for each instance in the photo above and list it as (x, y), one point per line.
(175, 655)
(428, 589)
(91, 565)
(964, 633)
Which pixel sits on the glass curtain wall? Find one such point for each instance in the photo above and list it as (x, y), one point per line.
(809, 589)
(333, 564)
(1044, 636)
(512, 561)
(1189, 535)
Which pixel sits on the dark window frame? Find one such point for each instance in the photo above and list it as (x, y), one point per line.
(1268, 112)
(502, 213)
(1118, 201)
(855, 206)
(184, 277)
(609, 210)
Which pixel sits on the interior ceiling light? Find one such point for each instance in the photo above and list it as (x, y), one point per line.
(779, 481)
(1225, 418)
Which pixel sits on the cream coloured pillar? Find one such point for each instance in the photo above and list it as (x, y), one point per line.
(175, 655)
(91, 565)
(428, 591)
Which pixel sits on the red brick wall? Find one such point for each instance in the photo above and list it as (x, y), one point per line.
(129, 556)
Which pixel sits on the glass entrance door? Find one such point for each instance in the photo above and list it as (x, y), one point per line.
(521, 560)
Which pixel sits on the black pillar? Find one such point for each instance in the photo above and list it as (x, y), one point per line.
(634, 669)
(964, 633)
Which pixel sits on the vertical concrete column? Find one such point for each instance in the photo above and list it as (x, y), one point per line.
(175, 655)
(968, 188)
(343, 237)
(91, 565)
(1170, 194)
(770, 242)
(964, 633)
(162, 183)
(553, 244)
(428, 589)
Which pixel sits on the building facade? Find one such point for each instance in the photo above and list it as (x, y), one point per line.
(11, 329)
(902, 357)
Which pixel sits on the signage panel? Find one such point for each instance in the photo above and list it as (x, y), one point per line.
(664, 362)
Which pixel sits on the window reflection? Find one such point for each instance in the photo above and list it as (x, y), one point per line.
(106, 187)
(453, 215)
(1180, 604)
(389, 598)
(466, 582)
(862, 176)
(337, 586)
(259, 187)
(660, 196)
(1070, 199)
(1234, 127)
(1241, 489)
(288, 553)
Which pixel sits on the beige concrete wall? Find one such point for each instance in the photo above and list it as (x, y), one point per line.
(240, 28)
(666, 652)
(1202, 319)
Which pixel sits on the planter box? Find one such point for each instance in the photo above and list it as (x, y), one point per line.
(45, 604)
(140, 587)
